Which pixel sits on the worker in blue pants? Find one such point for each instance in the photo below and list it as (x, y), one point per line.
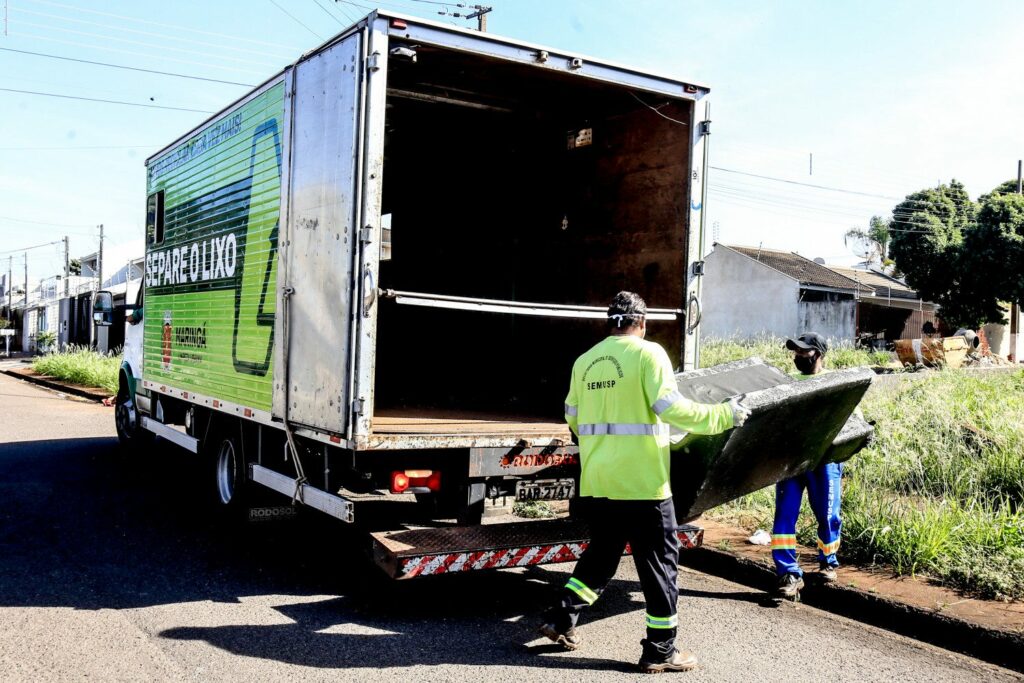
(824, 493)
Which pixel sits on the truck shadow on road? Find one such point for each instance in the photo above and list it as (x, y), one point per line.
(86, 528)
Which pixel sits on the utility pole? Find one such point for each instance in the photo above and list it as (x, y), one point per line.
(1020, 187)
(810, 164)
(99, 261)
(10, 282)
(25, 254)
(481, 16)
(67, 268)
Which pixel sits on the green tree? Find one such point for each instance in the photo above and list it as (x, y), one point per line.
(877, 236)
(1008, 187)
(958, 255)
(994, 250)
(75, 266)
(927, 229)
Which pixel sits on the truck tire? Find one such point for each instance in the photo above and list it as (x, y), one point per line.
(128, 422)
(228, 466)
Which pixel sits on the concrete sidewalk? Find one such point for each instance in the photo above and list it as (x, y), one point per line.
(986, 629)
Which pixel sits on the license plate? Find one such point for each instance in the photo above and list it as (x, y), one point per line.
(545, 489)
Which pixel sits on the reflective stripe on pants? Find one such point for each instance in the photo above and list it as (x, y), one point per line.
(824, 493)
(649, 526)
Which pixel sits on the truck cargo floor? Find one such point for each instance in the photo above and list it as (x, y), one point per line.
(463, 422)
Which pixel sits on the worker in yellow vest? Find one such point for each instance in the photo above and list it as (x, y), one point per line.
(622, 399)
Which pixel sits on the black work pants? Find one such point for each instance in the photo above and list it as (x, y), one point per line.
(649, 527)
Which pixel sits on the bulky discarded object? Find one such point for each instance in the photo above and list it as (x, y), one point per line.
(793, 427)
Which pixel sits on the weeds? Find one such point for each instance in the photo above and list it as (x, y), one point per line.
(773, 351)
(80, 365)
(532, 509)
(941, 490)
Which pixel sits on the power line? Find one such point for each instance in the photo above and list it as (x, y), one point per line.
(138, 54)
(341, 8)
(37, 246)
(220, 46)
(296, 20)
(54, 225)
(317, 3)
(129, 68)
(94, 99)
(243, 60)
(818, 187)
(165, 25)
(74, 148)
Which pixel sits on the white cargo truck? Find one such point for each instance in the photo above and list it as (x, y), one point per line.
(370, 275)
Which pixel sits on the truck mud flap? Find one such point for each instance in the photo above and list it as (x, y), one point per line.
(793, 427)
(430, 552)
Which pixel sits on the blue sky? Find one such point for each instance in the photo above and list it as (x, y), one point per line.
(889, 98)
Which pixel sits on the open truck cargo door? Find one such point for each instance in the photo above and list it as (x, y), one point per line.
(325, 107)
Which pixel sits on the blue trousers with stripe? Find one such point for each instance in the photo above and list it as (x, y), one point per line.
(824, 493)
(649, 526)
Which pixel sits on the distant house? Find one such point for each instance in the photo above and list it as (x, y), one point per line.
(749, 291)
(893, 311)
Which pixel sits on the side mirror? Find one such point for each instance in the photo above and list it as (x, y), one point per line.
(103, 308)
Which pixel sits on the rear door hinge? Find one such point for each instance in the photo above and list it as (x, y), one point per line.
(358, 406)
(373, 62)
(705, 127)
(366, 234)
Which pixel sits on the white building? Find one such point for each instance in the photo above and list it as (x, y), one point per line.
(749, 292)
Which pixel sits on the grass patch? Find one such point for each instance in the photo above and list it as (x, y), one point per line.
(939, 493)
(81, 366)
(533, 509)
(773, 351)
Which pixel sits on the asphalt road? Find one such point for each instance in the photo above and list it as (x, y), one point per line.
(111, 569)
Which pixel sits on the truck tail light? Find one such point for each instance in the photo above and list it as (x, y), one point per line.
(415, 481)
(399, 482)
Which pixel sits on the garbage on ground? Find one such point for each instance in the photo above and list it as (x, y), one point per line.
(932, 352)
(965, 349)
(760, 537)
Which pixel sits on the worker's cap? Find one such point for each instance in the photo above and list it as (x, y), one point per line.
(809, 341)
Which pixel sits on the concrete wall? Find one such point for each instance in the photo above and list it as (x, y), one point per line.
(742, 298)
(834, 320)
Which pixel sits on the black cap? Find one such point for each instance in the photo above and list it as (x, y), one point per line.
(809, 341)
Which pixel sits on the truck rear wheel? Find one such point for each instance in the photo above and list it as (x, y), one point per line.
(229, 471)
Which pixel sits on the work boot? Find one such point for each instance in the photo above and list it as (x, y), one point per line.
(827, 572)
(658, 657)
(789, 586)
(569, 639)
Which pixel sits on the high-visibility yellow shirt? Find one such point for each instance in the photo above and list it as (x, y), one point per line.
(622, 399)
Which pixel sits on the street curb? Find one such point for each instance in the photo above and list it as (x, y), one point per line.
(56, 386)
(1003, 648)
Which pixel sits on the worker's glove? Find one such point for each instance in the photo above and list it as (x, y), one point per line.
(740, 413)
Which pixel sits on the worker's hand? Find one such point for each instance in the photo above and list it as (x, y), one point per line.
(740, 413)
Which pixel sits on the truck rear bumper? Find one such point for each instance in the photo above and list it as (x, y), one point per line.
(429, 552)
